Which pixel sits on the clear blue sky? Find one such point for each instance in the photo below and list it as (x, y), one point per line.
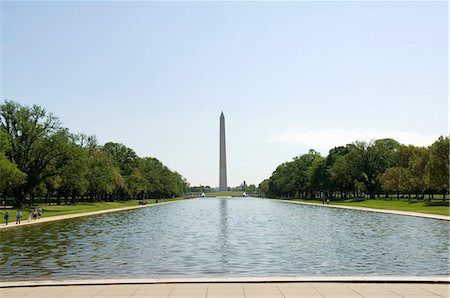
(288, 76)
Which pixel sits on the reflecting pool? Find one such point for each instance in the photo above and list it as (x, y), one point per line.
(226, 237)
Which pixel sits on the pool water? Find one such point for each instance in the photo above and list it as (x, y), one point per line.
(226, 237)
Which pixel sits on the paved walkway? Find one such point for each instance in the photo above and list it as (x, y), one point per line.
(237, 290)
(398, 212)
(25, 222)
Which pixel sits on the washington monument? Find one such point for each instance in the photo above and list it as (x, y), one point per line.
(223, 157)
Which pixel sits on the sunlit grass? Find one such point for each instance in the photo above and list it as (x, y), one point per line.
(224, 194)
(56, 210)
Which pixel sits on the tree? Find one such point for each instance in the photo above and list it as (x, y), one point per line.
(301, 165)
(11, 176)
(160, 181)
(343, 175)
(74, 174)
(126, 160)
(437, 169)
(291, 178)
(264, 186)
(394, 179)
(371, 159)
(317, 175)
(37, 144)
(332, 183)
(282, 181)
(417, 170)
(103, 176)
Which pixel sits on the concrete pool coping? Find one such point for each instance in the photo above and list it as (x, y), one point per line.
(387, 211)
(225, 280)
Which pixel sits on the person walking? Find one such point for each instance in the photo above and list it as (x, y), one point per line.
(29, 215)
(39, 212)
(6, 217)
(18, 217)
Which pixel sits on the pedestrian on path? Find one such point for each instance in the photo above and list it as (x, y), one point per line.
(29, 215)
(6, 217)
(39, 211)
(18, 217)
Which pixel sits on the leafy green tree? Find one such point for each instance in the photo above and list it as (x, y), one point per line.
(317, 175)
(371, 160)
(160, 181)
(395, 179)
(417, 170)
(301, 166)
(103, 176)
(437, 169)
(264, 186)
(291, 178)
(74, 174)
(282, 181)
(11, 176)
(126, 160)
(37, 144)
(343, 175)
(332, 184)
(137, 184)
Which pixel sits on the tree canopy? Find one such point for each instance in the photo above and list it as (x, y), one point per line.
(40, 157)
(381, 166)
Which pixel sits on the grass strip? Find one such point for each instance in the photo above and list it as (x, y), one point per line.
(224, 194)
(400, 205)
(57, 210)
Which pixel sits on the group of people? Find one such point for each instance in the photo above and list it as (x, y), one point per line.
(34, 214)
(325, 201)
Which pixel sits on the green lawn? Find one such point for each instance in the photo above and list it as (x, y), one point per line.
(389, 205)
(224, 194)
(54, 210)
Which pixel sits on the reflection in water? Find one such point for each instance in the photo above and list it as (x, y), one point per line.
(231, 237)
(223, 225)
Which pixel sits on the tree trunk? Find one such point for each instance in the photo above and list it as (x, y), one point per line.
(19, 198)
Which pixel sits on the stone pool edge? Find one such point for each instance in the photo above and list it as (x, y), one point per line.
(75, 215)
(388, 211)
(271, 279)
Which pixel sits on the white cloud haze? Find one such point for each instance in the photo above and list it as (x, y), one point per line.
(323, 140)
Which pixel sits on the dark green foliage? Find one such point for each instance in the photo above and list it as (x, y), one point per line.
(39, 157)
(359, 169)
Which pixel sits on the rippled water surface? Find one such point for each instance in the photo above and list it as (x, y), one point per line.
(226, 237)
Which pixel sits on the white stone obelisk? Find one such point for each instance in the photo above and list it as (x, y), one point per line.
(223, 157)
